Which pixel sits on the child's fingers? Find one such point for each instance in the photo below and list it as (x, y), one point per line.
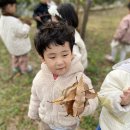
(126, 92)
(127, 89)
(122, 96)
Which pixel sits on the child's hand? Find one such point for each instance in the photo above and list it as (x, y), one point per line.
(125, 98)
(26, 20)
(38, 18)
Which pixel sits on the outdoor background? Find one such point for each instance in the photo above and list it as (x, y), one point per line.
(15, 91)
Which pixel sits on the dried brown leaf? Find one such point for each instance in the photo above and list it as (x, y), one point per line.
(75, 98)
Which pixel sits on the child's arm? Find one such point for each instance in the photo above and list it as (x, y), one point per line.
(121, 30)
(34, 105)
(125, 97)
(26, 20)
(111, 91)
(37, 18)
(20, 30)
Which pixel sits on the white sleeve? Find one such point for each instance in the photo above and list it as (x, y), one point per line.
(82, 49)
(112, 89)
(34, 104)
(21, 30)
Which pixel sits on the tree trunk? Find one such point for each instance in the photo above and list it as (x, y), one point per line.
(86, 8)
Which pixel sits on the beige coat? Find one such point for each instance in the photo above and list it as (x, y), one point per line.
(15, 35)
(45, 89)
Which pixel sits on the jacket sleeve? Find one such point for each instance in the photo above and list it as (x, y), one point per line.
(122, 29)
(81, 49)
(92, 103)
(21, 30)
(111, 90)
(34, 104)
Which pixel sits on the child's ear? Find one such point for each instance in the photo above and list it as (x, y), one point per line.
(42, 59)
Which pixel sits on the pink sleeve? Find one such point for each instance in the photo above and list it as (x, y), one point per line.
(121, 30)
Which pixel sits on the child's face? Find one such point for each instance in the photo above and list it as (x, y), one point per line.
(11, 8)
(58, 58)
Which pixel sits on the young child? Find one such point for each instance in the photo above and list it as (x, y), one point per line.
(115, 98)
(66, 12)
(14, 34)
(41, 14)
(59, 70)
(121, 40)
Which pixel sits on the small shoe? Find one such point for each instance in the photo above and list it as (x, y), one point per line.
(29, 70)
(109, 58)
(16, 70)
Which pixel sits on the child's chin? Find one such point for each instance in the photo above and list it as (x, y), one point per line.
(61, 73)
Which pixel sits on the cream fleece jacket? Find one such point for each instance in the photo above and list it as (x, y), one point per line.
(45, 89)
(15, 35)
(114, 116)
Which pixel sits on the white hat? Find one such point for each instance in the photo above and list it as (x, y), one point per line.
(53, 11)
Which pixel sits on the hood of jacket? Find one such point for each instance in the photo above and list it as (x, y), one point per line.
(124, 65)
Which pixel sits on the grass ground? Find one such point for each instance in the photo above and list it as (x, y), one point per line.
(15, 92)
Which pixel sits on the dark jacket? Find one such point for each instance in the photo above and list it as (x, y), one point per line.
(42, 11)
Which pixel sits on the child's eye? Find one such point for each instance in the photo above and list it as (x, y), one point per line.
(65, 55)
(52, 57)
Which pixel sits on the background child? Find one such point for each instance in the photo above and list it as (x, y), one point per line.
(121, 40)
(66, 12)
(41, 14)
(115, 98)
(59, 70)
(14, 34)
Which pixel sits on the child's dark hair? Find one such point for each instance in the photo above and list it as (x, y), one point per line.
(128, 5)
(53, 33)
(68, 13)
(3, 3)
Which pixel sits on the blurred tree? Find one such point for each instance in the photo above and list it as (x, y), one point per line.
(82, 8)
(86, 8)
(104, 1)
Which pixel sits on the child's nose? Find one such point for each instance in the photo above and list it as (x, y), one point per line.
(59, 61)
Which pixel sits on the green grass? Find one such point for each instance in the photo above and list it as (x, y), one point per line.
(15, 93)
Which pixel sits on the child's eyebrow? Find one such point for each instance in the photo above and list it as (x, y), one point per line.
(65, 51)
(50, 54)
